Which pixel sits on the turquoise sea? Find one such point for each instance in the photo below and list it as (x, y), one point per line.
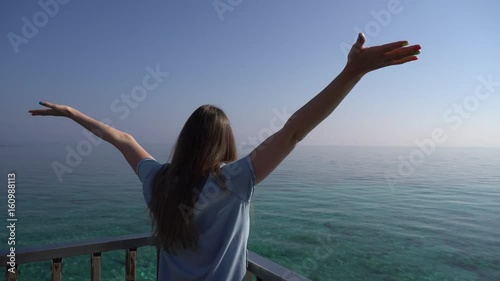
(327, 212)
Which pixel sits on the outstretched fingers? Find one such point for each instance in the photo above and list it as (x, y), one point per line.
(47, 104)
(403, 54)
(404, 60)
(51, 110)
(393, 46)
(42, 112)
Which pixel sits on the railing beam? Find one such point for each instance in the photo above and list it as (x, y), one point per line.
(79, 248)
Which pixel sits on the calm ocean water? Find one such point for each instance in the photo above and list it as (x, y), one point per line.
(326, 212)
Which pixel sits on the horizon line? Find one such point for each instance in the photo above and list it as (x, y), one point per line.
(337, 145)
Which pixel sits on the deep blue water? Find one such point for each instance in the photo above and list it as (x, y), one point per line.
(327, 212)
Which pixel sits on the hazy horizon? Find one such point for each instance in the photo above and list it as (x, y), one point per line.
(70, 143)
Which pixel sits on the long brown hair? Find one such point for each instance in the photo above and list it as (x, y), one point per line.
(205, 142)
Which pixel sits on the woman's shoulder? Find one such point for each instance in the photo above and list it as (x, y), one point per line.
(240, 177)
(148, 167)
(241, 167)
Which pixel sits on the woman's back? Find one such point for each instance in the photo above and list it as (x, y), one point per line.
(222, 218)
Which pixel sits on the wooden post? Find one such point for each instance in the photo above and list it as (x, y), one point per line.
(95, 262)
(57, 269)
(131, 263)
(12, 274)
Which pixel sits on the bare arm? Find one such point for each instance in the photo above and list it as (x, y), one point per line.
(128, 146)
(268, 155)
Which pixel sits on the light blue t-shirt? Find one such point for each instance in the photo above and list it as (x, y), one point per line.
(223, 221)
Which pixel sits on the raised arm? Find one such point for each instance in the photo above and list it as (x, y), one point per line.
(268, 155)
(128, 146)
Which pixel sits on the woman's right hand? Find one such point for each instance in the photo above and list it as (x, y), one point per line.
(362, 60)
(52, 110)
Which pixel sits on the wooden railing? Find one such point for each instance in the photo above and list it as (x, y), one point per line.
(258, 266)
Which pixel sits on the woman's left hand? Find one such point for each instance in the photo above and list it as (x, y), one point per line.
(362, 60)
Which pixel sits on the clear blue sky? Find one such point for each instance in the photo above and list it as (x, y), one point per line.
(255, 57)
